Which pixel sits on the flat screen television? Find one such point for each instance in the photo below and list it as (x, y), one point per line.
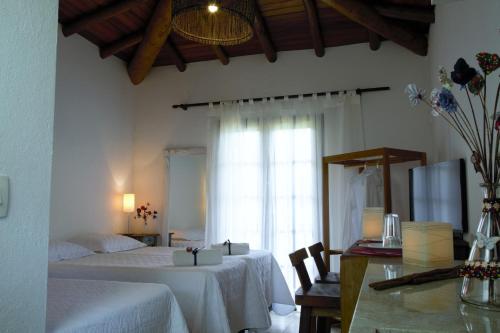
(438, 193)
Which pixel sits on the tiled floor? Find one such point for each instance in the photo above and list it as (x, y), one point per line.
(287, 324)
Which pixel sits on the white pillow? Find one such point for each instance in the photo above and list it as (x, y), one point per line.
(107, 243)
(61, 250)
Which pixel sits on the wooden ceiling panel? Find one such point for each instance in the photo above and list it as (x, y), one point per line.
(287, 24)
(249, 48)
(289, 30)
(280, 7)
(72, 9)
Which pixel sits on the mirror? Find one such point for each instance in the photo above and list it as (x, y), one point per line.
(186, 199)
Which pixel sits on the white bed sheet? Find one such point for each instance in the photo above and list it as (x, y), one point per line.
(106, 306)
(262, 263)
(271, 279)
(222, 298)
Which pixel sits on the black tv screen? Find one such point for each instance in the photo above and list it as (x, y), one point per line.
(438, 193)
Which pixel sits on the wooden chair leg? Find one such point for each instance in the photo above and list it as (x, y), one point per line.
(314, 324)
(328, 324)
(305, 319)
(321, 325)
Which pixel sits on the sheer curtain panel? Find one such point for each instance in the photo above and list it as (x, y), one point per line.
(264, 164)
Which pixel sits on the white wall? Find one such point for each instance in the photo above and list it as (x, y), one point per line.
(388, 118)
(93, 134)
(462, 29)
(27, 79)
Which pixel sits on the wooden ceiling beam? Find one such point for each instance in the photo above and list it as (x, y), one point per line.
(407, 13)
(175, 56)
(121, 44)
(368, 17)
(260, 29)
(101, 14)
(314, 27)
(221, 54)
(155, 37)
(374, 40)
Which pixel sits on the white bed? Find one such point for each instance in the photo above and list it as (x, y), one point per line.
(223, 298)
(107, 306)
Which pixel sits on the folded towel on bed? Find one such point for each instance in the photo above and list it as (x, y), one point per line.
(197, 257)
(229, 248)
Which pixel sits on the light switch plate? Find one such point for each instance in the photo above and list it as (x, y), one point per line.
(4, 196)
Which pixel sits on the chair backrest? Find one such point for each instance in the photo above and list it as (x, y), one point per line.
(297, 258)
(315, 251)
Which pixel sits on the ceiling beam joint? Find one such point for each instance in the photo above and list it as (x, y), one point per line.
(175, 56)
(314, 27)
(221, 54)
(260, 29)
(374, 40)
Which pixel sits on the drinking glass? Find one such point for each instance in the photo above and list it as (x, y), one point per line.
(392, 231)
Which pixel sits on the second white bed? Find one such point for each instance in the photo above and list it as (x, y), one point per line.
(222, 298)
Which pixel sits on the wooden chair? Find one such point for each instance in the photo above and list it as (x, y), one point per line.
(324, 275)
(320, 302)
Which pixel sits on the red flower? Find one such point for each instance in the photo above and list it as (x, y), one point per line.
(497, 124)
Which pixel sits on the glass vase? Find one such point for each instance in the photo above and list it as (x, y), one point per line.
(485, 293)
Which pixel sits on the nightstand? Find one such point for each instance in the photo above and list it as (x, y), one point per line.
(148, 239)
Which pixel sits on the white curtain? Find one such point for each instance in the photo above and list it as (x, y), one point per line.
(264, 164)
(344, 133)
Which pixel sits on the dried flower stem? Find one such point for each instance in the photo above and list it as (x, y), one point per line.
(495, 110)
(465, 120)
(469, 137)
(475, 120)
(452, 124)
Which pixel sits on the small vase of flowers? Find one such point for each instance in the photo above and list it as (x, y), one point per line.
(481, 133)
(145, 213)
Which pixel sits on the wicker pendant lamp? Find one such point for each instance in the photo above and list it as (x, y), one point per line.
(214, 22)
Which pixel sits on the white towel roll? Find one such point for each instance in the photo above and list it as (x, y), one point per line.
(204, 257)
(236, 248)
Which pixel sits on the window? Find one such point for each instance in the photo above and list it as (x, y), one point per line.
(267, 185)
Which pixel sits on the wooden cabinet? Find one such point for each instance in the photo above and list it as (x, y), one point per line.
(148, 239)
(352, 272)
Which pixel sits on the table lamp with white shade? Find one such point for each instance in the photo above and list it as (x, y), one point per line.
(373, 222)
(128, 206)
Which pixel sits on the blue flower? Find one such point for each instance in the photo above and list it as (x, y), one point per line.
(445, 101)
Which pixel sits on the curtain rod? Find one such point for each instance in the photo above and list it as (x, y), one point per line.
(259, 99)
